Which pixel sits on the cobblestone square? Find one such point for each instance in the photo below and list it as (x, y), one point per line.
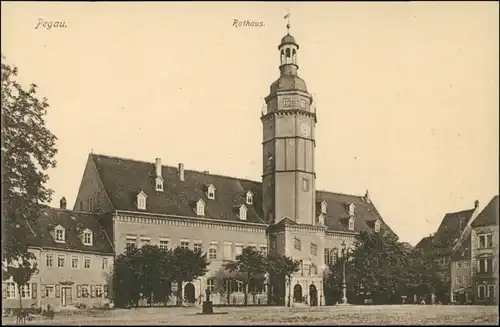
(334, 315)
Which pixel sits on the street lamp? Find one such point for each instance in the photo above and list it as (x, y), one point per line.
(344, 285)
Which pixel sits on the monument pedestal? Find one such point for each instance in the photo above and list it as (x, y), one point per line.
(208, 308)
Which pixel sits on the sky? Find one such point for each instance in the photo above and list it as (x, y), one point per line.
(406, 92)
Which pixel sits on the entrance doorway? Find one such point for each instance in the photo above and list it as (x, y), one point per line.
(313, 295)
(189, 291)
(297, 293)
(66, 296)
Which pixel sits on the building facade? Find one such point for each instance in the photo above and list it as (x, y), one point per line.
(484, 245)
(150, 203)
(74, 259)
(447, 248)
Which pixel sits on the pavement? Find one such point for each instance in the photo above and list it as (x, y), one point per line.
(330, 315)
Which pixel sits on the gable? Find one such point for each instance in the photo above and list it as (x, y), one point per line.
(91, 187)
(489, 215)
(124, 178)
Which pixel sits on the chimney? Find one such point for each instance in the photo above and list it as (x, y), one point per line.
(158, 167)
(181, 172)
(62, 203)
(367, 197)
(476, 204)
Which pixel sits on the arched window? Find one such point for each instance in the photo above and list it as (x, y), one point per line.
(288, 52)
(294, 56)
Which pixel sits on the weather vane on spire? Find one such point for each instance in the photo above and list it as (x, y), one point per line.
(287, 16)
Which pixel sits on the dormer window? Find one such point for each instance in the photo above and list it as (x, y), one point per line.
(323, 206)
(351, 209)
(377, 226)
(200, 207)
(249, 197)
(351, 223)
(159, 184)
(60, 234)
(141, 201)
(87, 237)
(243, 212)
(211, 192)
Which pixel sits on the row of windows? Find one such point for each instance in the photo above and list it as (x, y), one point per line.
(297, 244)
(82, 291)
(287, 103)
(485, 241)
(485, 265)
(28, 291)
(60, 235)
(484, 291)
(462, 264)
(237, 286)
(330, 256)
(10, 291)
(75, 261)
(462, 280)
(213, 247)
(91, 204)
(141, 197)
(308, 270)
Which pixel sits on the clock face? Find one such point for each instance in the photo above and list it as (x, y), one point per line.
(305, 130)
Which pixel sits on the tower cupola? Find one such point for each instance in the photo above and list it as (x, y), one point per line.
(288, 80)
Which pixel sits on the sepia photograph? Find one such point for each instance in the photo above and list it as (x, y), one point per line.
(250, 163)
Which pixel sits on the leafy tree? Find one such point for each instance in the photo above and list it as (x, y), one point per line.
(21, 272)
(186, 265)
(125, 279)
(152, 269)
(280, 267)
(141, 274)
(378, 264)
(28, 150)
(250, 262)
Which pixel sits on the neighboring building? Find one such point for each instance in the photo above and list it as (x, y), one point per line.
(460, 273)
(74, 258)
(149, 203)
(484, 245)
(441, 246)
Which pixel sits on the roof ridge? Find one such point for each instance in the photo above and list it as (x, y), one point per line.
(174, 167)
(461, 211)
(215, 174)
(70, 210)
(339, 193)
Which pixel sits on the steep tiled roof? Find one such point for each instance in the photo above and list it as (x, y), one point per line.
(489, 215)
(463, 252)
(338, 211)
(123, 179)
(425, 243)
(451, 227)
(74, 223)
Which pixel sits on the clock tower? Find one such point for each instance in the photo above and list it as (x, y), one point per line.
(288, 178)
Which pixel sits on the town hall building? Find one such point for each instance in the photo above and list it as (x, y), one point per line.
(169, 205)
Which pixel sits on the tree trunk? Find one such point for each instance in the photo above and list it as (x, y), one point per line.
(20, 297)
(179, 293)
(246, 289)
(289, 291)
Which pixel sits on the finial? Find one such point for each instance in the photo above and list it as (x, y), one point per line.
(287, 16)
